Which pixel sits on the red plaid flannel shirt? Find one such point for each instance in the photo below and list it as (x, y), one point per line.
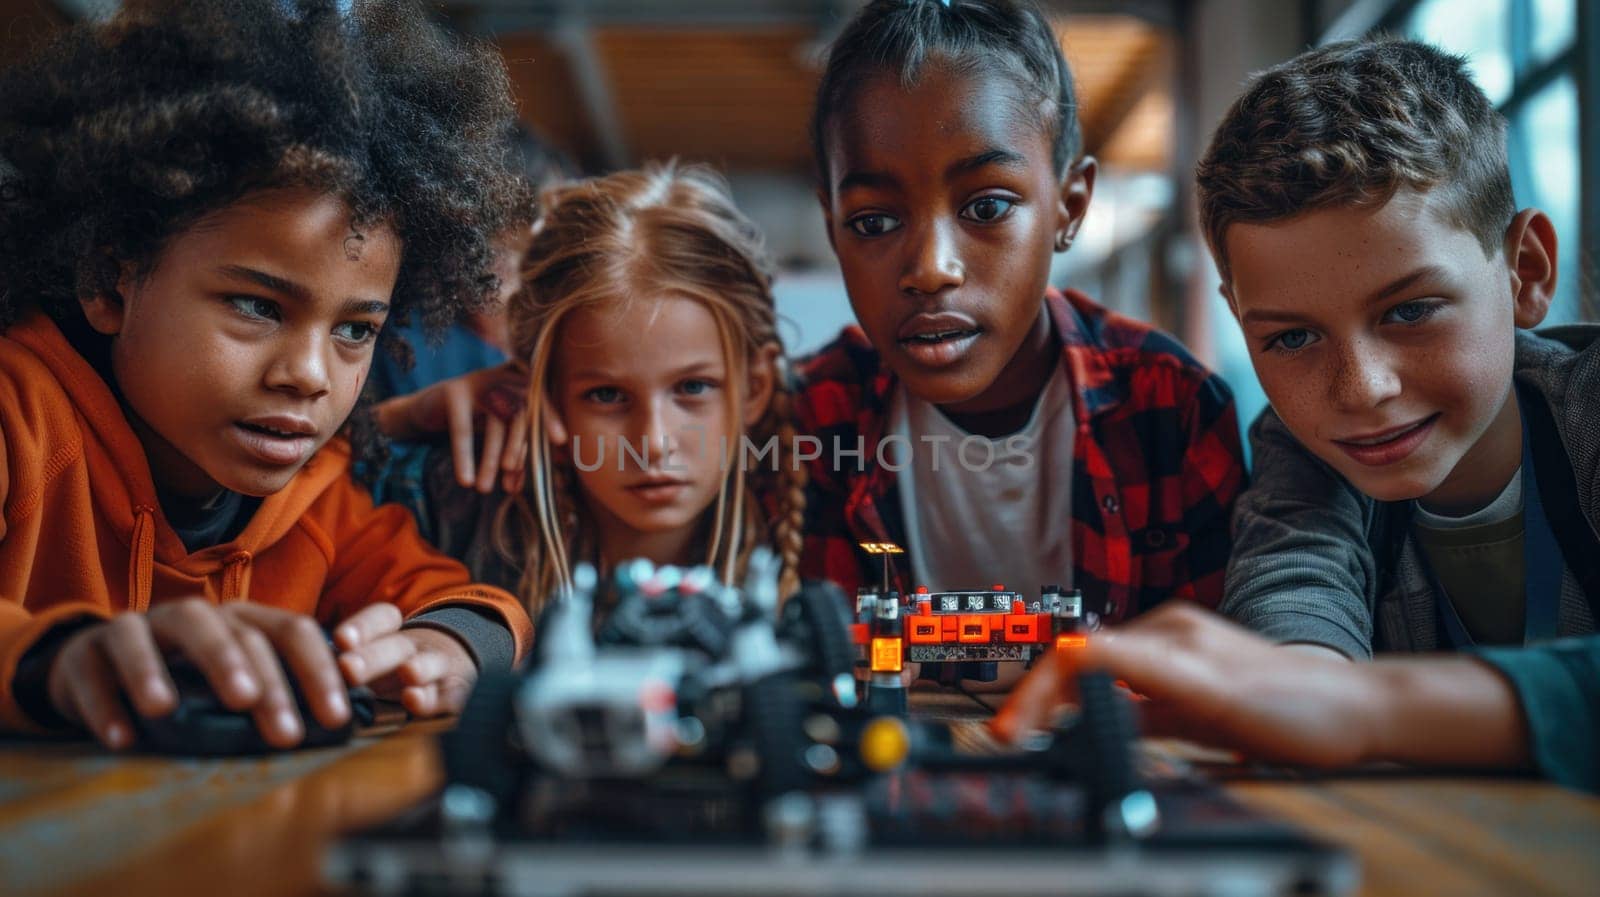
(1156, 463)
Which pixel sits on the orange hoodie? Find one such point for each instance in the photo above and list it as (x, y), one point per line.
(82, 534)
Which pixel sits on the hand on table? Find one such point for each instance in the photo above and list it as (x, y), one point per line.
(427, 670)
(242, 649)
(1209, 681)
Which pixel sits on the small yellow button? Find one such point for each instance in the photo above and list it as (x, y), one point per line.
(884, 744)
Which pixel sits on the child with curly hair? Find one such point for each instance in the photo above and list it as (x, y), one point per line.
(208, 212)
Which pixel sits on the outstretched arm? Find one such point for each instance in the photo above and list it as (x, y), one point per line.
(1212, 682)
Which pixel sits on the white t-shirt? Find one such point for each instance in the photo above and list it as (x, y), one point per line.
(979, 511)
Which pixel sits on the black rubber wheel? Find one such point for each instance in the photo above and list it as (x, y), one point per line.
(773, 716)
(1104, 740)
(481, 750)
(816, 617)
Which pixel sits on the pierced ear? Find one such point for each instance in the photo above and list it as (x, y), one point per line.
(762, 380)
(1077, 188)
(1531, 255)
(106, 310)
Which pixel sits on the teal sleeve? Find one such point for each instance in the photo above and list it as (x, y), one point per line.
(1559, 685)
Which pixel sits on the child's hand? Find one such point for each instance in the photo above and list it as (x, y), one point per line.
(1209, 681)
(242, 649)
(492, 397)
(427, 670)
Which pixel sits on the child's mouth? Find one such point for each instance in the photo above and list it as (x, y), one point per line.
(939, 349)
(270, 431)
(277, 442)
(938, 340)
(659, 491)
(1389, 446)
(942, 336)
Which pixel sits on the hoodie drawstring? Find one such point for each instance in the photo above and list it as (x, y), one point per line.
(141, 571)
(235, 576)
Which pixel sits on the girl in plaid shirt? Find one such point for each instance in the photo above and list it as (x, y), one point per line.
(995, 427)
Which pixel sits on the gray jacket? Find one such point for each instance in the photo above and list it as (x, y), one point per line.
(1317, 561)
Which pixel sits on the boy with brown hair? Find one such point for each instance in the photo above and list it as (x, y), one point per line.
(1425, 476)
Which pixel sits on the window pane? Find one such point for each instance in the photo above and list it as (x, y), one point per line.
(1480, 31)
(1555, 24)
(1547, 132)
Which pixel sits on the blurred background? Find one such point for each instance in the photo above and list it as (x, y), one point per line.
(611, 83)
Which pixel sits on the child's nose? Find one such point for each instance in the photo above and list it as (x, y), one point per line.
(658, 438)
(300, 366)
(1363, 377)
(934, 262)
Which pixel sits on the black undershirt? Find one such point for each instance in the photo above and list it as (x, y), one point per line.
(201, 524)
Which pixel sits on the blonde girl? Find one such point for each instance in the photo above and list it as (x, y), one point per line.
(658, 407)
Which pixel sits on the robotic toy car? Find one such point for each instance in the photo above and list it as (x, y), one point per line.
(676, 735)
(664, 688)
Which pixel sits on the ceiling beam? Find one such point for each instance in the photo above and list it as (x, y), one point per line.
(575, 38)
(494, 16)
(1141, 71)
(525, 15)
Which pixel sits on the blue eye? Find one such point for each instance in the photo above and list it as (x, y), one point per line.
(873, 225)
(254, 307)
(988, 209)
(1291, 341)
(1414, 312)
(604, 395)
(695, 387)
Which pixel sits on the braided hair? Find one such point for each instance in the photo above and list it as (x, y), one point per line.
(664, 230)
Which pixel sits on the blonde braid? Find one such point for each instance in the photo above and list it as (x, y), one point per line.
(789, 533)
(774, 512)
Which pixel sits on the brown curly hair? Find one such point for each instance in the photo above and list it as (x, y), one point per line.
(118, 135)
(1352, 123)
(666, 230)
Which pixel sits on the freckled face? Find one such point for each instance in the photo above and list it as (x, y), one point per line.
(243, 351)
(1384, 339)
(943, 204)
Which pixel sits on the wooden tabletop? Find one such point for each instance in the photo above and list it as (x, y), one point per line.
(75, 820)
